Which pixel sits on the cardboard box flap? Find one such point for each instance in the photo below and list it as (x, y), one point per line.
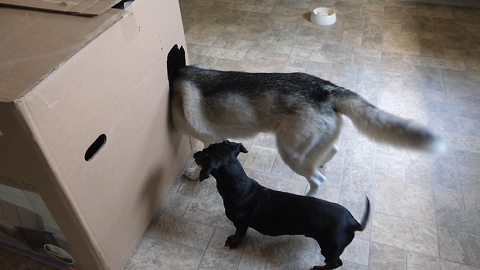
(76, 7)
(27, 56)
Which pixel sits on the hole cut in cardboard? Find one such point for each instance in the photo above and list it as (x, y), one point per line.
(95, 147)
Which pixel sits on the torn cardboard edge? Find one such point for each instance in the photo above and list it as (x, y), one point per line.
(73, 7)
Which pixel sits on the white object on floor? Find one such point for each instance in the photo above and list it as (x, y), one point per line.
(323, 16)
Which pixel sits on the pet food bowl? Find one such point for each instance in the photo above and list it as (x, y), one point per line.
(323, 16)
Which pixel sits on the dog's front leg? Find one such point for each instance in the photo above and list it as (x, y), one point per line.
(193, 173)
(329, 266)
(234, 240)
(316, 181)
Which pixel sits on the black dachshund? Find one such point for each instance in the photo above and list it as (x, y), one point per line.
(271, 212)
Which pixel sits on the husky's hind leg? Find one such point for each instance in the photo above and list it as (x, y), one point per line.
(329, 156)
(300, 163)
(304, 154)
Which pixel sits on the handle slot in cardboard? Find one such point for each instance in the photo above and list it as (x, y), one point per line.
(95, 147)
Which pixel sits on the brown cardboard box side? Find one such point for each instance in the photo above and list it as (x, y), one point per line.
(117, 86)
(34, 43)
(77, 7)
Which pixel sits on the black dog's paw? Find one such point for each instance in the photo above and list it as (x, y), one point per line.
(338, 263)
(233, 241)
(321, 268)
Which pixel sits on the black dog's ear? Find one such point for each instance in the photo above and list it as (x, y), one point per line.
(208, 165)
(238, 147)
(242, 148)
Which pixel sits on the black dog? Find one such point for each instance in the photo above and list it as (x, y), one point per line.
(248, 204)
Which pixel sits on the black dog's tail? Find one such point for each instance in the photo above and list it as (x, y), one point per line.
(175, 61)
(366, 215)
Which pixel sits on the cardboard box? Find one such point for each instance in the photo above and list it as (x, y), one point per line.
(87, 150)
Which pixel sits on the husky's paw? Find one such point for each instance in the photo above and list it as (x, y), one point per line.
(193, 173)
(314, 191)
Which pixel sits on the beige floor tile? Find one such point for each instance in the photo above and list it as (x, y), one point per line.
(459, 247)
(208, 213)
(326, 54)
(368, 74)
(386, 257)
(401, 42)
(175, 204)
(369, 90)
(279, 183)
(405, 234)
(443, 63)
(263, 62)
(471, 191)
(260, 158)
(449, 200)
(473, 68)
(341, 74)
(284, 29)
(429, 172)
(395, 198)
(462, 221)
(281, 169)
(226, 54)
(192, 234)
(373, 34)
(265, 139)
(357, 252)
(391, 79)
(446, 265)
(227, 65)
(270, 253)
(163, 226)
(352, 38)
(355, 140)
(422, 77)
(361, 61)
(218, 256)
(315, 68)
(389, 168)
(422, 262)
(155, 254)
(359, 159)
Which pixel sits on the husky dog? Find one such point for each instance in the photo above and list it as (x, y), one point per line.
(303, 111)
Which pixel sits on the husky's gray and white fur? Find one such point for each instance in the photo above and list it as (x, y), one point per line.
(303, 111)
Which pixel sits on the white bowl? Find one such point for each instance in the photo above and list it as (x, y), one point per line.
(323, 16)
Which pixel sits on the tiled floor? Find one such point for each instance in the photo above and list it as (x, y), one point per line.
(415, 60)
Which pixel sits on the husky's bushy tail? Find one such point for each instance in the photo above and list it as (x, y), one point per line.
(382, 126)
